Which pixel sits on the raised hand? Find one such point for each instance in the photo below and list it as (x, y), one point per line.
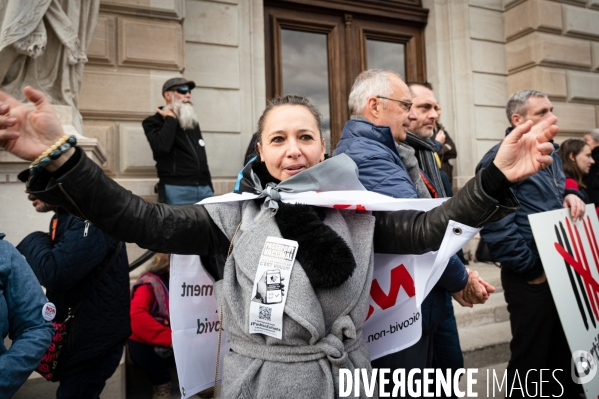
(27, 131)
(166, 112)
(527, 149)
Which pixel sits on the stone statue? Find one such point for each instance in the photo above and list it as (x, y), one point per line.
(43, 44)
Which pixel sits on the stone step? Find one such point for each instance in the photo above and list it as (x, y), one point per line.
(485, 345)
(492, 311)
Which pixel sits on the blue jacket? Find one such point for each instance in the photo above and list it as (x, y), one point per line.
(68, 266)
(381, 170)
(373, 149)
(21, 302)
(510, 240)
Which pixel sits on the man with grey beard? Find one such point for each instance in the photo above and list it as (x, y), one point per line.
(178, 147)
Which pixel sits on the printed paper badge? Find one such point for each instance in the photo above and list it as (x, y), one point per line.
(49, 311)
(268, 294)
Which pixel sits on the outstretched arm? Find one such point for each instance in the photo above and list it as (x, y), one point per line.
(85, 191)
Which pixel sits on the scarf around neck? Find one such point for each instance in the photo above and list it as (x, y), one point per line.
(425, 152)
(339, 173)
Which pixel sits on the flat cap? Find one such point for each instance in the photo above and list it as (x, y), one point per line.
(174, 82)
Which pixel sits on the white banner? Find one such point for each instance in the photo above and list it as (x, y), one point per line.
(570, 255)
(400, 284)
(195, 324)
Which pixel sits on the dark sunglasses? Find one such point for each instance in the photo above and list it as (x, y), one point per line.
(183, 90)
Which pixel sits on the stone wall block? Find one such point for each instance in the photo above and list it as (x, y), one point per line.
(523, 52)
(171, 9)
(105, 133)
(580, 22)
(224, 152)
(597, 116)
(222, 1)
(547, 49)
(508, 4)
(105, 93)
(150, 43)
(574, 118)
(102, 49)
(489, 89)
(491, 123)
(583, 86)
(593, 3)
(532, 15)
(212, 23)
(486, 24)
(212, 104)
(548, 80)
(488, 57)
(575, 2)
(595, 56)
(489, 4)
(134, 149)
(213, 66)
(483, 146)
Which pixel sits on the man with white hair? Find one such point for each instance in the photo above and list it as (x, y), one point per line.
(592, 179)
(381, 107)
(178, 147)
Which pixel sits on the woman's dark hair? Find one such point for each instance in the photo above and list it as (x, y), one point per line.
(289, 99)
(574, 147)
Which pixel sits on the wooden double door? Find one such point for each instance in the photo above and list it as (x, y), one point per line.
(317, 48)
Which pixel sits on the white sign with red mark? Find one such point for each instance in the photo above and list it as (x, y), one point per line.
(570, 255)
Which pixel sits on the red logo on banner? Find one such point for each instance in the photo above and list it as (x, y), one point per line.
(400, 277)
(347, 206)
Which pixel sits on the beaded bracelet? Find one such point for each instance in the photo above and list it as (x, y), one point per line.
(52, 153)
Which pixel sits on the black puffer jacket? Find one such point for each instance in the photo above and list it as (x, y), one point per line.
(82, 188)
(68, 266)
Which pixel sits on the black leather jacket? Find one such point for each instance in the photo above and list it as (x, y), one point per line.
(86, 192)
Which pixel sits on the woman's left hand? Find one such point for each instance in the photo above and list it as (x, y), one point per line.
(27, 131)
(527, 149)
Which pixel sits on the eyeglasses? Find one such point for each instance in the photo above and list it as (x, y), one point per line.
(407, 104)
(183, 90)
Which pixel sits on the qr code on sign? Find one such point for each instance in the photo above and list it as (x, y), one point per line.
(265, 313)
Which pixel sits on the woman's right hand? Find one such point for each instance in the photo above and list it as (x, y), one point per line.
(27, 131)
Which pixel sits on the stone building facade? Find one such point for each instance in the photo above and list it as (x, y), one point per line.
(475, 52)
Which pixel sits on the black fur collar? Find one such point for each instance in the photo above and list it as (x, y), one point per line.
(323, 254)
